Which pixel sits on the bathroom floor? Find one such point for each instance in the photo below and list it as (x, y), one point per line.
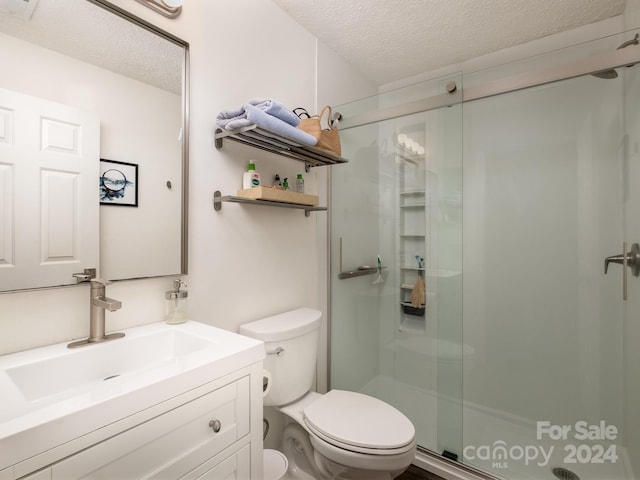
(415, 473)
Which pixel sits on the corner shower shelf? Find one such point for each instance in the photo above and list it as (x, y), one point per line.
(218, 198)
(263, 139)
(409, 309)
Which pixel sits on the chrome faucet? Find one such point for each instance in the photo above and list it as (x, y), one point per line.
(99, 303)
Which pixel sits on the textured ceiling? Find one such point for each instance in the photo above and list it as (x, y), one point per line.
(84, 31)
(388, 40)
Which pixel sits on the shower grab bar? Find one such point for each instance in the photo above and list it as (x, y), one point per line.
(360, 271)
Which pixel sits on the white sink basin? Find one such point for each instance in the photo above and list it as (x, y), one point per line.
(52, 394)
(73, 371)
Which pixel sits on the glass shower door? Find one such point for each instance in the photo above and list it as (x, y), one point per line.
(546, 184)
(398, 201)
(547, 352)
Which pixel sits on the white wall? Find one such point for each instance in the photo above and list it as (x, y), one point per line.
(244, 262)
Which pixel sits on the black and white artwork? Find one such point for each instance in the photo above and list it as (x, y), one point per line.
(118, 183)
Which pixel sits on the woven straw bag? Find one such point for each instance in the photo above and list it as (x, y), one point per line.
(328, 138)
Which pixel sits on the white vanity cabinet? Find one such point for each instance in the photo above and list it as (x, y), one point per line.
(211, 432)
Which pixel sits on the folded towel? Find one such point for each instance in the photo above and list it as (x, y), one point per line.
(232, 119)
(275, 109)
(275, 125)
(237, 118)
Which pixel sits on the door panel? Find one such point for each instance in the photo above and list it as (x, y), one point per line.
(50, 228)
(543, 178)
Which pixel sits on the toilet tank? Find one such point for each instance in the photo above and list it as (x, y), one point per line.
(292, 371)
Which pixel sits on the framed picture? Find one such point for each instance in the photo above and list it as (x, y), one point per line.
(118, 183)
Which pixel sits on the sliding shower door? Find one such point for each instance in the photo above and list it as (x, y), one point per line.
(548, 195)
(519, 356)
(396, 235)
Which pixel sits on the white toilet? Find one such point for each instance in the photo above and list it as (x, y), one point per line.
(340, 434)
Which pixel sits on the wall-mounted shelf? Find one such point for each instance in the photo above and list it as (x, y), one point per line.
(409, 309)
(412, 230)
(272, 142)
(218, 198)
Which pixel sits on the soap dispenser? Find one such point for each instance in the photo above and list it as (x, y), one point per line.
(176, 303)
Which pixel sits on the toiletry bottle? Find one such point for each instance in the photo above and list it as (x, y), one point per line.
(251, 178)
(300, 184)
(176, 303)
(285, 184)
(276, 182)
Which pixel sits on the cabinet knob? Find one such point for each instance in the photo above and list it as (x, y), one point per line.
(215, 425)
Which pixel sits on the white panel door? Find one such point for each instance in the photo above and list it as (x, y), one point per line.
(49, 206)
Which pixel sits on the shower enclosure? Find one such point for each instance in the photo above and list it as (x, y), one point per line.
(504, 192)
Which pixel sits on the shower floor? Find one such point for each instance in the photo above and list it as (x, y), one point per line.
(485, 427)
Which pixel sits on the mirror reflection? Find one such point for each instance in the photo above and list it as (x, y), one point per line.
(87, 99)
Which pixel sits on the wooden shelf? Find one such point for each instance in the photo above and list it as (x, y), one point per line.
(218, 198)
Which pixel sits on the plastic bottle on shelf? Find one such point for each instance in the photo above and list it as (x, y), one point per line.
(285, 184)
(251, 178)
(299, 184)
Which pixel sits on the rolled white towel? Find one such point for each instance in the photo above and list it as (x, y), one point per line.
(237, 118)
(275, 109)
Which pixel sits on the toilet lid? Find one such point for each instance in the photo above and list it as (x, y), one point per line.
(359, 420)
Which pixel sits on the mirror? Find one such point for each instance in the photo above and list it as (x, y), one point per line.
(118, 79)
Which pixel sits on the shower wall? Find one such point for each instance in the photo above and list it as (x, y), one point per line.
(543, 176)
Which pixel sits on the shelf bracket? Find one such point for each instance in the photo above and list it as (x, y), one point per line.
(218, 139)
(217, 197)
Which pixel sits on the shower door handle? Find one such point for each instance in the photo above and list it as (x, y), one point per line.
(630, 259)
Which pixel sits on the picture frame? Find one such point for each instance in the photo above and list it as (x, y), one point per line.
(118, 183)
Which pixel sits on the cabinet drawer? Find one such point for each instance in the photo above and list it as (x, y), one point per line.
(235, 466)
(41, 475)
(178, 440)
(6, 474)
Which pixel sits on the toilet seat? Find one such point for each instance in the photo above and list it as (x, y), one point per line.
(364, 461)
(359, 423)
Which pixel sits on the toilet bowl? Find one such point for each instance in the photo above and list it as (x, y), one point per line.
(350, 435)
(339, 434)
